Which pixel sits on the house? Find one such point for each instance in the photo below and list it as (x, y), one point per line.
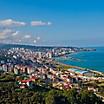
(67, 85)
(91, 88)
(25, 83)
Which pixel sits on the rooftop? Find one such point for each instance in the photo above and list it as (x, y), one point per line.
(78, 71)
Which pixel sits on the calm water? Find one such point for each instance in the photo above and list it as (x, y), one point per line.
(93, 60)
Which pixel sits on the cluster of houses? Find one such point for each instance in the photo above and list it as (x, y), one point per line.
(65, 79)
(33, 67)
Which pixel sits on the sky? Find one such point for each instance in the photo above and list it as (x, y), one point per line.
(52, 22)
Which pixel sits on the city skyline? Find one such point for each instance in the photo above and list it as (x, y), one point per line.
(44, 22)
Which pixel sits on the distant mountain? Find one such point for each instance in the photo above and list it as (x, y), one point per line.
(6, 46)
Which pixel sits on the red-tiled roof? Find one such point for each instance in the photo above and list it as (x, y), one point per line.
(25, 81)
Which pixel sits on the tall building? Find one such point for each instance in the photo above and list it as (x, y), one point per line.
(39, 55)
(16, 71)
(49, 55)
(4, 67)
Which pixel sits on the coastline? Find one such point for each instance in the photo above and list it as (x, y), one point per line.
(71, 66)
(96, 59)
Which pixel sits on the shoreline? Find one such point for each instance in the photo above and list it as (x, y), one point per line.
(80, 68)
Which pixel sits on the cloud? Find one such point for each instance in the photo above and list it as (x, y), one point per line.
(5, 33)
(8, 34)
(15, 33)
(40, 23)
(27, 36)
(10, 22)
(38, 38)
(34, 41)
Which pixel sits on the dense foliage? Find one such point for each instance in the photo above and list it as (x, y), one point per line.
(9, 94)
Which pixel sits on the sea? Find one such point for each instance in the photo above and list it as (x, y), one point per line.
(90, 59)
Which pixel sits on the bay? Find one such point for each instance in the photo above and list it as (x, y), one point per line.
(93, 59)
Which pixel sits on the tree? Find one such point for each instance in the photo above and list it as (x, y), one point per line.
(55, 97)
(87, 97)
(49, 98)
(72, 96)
